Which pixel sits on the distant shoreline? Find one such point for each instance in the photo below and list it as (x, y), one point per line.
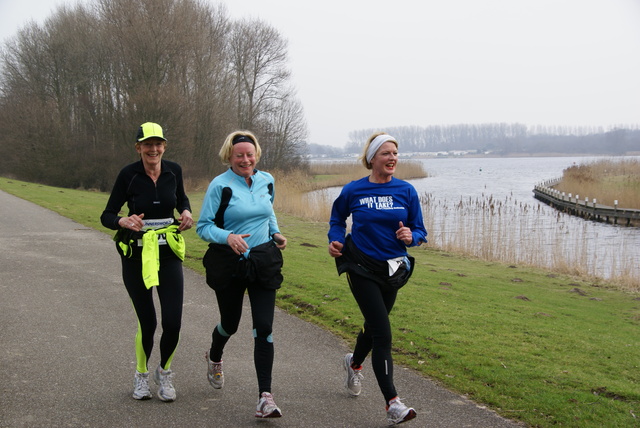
(538, 155)
(483, 156)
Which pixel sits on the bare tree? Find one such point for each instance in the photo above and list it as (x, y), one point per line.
(74, 90)
(258, 57)
(285, 135)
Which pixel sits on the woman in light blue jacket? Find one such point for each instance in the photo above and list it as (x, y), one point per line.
(238, 221)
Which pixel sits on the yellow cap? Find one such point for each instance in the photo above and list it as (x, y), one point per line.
(150, 130)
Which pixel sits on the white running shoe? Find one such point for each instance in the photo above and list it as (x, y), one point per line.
(353, 378)
(397, 412)
(164, 378)
(141, 389)
(267, 407)
(214, 373)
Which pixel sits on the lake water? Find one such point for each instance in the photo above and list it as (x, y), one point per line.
(485, 207)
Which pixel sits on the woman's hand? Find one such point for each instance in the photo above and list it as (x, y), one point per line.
(186, 221)
(280, 240)
(237, 243)
(404, 234)
(133, 222)
(335, 248)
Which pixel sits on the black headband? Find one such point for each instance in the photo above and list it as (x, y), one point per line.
(242, 139)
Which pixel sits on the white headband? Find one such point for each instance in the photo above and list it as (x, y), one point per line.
(376, 143)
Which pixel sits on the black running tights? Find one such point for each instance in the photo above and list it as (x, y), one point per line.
(262, 302)
(170, 294)
(375, 336)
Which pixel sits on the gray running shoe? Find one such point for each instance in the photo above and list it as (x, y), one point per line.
(214, 373)
(397, 412)
(141, 386)
(267, 407)
(353, 378)
(164, 378)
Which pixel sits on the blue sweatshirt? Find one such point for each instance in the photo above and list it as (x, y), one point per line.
(376, 210)
(250, 209)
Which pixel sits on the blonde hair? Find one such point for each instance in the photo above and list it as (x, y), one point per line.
(227, 147)
(363, 156)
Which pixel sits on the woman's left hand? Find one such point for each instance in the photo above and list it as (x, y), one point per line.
(404, 234)
(280, 240)
(186, 221)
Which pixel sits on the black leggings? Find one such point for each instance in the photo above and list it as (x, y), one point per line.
(170, 293)
(375, 336)
(263, 303)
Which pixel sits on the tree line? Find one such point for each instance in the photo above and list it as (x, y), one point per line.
(508, 139)
(74, 90)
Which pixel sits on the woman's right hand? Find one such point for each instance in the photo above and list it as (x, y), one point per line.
(237, 243)
(133, 222)
(335, 248)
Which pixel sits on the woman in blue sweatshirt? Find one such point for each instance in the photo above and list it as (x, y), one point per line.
(244, 255)
(386, 219)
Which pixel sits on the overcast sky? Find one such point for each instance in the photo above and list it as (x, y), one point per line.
(375, 64)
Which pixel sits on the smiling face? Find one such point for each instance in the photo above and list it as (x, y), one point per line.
(151, 151)
(243, 159)
(383, 163)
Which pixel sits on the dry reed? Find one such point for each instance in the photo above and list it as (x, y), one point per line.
(606, 180)
(509, 231)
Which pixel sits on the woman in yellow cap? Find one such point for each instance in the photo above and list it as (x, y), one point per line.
(152, 249)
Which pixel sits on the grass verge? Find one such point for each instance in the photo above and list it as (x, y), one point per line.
(537, 347)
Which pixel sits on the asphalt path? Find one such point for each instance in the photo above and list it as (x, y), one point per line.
(67, 349)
